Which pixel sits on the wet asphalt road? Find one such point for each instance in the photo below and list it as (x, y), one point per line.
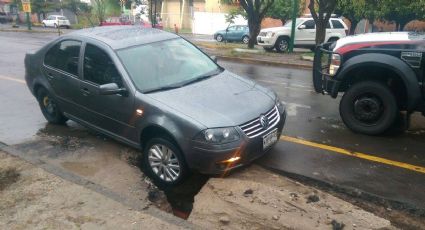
(311, 117)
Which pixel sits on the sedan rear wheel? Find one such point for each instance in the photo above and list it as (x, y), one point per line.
(164, 163)
(245, 39)
(50, 108)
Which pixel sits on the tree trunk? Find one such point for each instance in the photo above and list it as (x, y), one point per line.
(254, 30)
(402, 25)
(353, 27)
(320, 32)
(397, 26)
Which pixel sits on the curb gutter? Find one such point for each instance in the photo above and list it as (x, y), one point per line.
(70, 177)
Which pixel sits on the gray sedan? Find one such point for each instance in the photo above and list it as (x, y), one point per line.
(156, 92)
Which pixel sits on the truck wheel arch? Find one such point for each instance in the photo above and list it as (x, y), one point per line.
(390, 63)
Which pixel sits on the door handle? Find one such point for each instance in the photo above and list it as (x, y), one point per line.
(85, 92)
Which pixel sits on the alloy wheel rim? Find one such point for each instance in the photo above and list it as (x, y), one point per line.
(245, 40)
(283, 45)
(49, 105)
(219, 38)
(164, 163)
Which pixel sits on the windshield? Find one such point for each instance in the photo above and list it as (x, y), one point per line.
(166, 64)
(289, 22)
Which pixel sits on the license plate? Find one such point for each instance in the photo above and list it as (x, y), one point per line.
(269, 139)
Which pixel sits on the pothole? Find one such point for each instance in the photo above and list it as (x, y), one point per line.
(177, 200)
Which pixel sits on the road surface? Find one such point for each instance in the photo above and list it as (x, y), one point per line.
(316, 144)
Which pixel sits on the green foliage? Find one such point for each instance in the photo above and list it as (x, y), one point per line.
(99, 9)
(233, 13)
(282, 10)
(76, 6)
(402, 11)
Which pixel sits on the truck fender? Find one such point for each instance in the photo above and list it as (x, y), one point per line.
(399, 67)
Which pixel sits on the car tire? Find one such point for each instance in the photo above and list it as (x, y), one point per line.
(282, 44)
(50, 108)
(245, 39)
(55, 25)
(369, 107)
(219, 38)
(44, 25)
(155, 156)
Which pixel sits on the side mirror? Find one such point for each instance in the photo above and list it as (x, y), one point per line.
(301, 27)
(112, 89)
(214, 58)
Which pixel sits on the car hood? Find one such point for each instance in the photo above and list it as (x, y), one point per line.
(275, 29)
(384, 38)
(220, 101)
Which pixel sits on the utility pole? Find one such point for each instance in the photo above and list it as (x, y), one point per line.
(294, 19)
(26, 7)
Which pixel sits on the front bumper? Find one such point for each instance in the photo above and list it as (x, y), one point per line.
(322, 81)
(267, 42)
(207, 159)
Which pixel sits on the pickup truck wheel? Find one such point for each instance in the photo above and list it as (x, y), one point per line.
(50, 108)
(164, 162)
(282, 45)
(369, 107)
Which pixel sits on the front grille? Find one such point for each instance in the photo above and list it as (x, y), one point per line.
(263, 34)
(254, 128)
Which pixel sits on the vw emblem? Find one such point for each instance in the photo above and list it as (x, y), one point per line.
(264, 121)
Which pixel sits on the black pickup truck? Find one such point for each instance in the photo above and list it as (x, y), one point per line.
(380, 74)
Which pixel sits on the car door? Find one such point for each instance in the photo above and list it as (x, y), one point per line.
(306, 33)
(230, 33)
(61, 68)
(111, 113)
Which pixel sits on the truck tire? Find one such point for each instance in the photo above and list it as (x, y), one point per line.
(369, 107)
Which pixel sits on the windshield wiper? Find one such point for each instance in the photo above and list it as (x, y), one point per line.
(203, 77)
(168, 87)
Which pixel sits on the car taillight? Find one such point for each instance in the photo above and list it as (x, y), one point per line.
(335, 64)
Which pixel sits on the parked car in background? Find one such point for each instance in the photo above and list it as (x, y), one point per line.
(159, 93)
(380, 74)
(116, 21)
(147, 24)
(5, 18)
(305, 34)
(238, 33)
(56, 21)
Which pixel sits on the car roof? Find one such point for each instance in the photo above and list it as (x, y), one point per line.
(119, 37)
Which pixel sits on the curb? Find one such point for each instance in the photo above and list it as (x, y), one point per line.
(263, 62)
(28, 31)
(87, 184)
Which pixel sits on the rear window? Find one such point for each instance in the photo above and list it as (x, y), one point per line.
(338, 24)
(64, 56)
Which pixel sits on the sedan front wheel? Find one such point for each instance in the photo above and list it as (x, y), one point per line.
(164, 162)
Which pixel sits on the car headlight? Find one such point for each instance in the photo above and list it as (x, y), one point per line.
(270, 34)
(279, 105)
(218, 135)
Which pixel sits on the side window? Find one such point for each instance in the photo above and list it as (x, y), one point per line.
(337, 24)
(232, 28)
(310, 24)
(64, 56)
(99, 68)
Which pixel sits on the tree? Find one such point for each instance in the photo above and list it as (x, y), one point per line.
(255, 12)
(351, 10)
(100, 9)
(41, 7)
(321, 11)
(402, 11)
(282, 10)
(77, 7)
